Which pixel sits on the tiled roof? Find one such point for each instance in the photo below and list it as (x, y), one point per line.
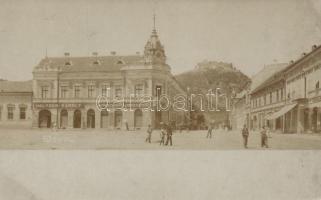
(105, 63)
(15, 86)
(267, 72)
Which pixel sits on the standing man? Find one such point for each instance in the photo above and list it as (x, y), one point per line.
(162, 134)
(126, 124)
(264, 138)
(169, 135)
(209, 131)
(149, 133)
(245, 134)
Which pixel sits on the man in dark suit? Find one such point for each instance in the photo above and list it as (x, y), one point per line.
(169, 135)
(245, 134)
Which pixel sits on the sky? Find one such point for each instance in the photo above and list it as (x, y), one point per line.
(247, 33)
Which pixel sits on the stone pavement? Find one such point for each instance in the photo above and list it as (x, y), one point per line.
(108, 139)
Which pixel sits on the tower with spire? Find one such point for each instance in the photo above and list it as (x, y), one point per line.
(154, 51)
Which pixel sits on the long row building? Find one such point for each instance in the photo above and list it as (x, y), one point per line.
(285, 97)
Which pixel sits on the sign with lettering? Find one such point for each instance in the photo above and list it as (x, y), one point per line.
(56, 105)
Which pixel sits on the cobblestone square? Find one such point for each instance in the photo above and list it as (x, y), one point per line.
(107, 139)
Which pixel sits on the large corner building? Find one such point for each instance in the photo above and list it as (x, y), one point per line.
(65, 90)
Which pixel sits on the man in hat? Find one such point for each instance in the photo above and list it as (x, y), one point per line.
(245, 134)
(169, 135)
(149, 133)
(162, 134)
(264, 138)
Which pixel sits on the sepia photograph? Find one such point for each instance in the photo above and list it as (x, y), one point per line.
(167, 78)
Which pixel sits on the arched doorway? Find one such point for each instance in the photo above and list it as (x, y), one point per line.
(104, 119)
(44, 119)
(118, 118)
(138, 118)
(77, 119)
(90, 118)
(63, 119)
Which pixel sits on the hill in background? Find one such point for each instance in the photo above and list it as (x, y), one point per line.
(211, 75)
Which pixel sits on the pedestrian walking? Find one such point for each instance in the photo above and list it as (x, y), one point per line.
(162, 134)
(209, 131)
(264, 138)
(245, 134)
(149, 133)
(126, 124)
(169, 132)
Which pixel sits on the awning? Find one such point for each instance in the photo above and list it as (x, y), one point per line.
(281, 112)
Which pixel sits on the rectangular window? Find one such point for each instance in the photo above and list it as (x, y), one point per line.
(118, 92)
(22, 113)
(77, 91)
(281, 94)
(158, 90)
(10, 113)
(277, 96)
(91, 91)
(265, 99)
(139, 90)
(63, 91)
(104, 90)
(271, 97)
(44, 92)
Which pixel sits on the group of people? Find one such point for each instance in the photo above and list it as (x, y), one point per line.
(263, 133)
(166, 133)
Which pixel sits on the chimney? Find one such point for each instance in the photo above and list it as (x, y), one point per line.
(314, 47)
(67, 54)
(113, 53)
(137, 53)
(304, 54)
(291, 61)
(95, 54)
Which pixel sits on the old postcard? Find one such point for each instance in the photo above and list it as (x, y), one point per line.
(160, 75)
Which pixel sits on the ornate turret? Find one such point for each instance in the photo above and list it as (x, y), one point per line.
(154, 51)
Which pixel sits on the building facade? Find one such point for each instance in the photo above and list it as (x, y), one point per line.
(15, 104)
(287, 98)
(267, 98)
(66, 90)
(303, 92)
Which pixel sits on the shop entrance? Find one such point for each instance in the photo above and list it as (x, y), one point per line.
(91, 118)
(104, 119)
(44, 119)
(63, 119)
(77, 119)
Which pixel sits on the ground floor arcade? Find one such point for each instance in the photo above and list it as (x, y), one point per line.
(91, 117)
